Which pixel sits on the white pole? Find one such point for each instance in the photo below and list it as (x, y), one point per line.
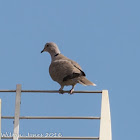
(0, 119)
(17, 112)
(105, 122)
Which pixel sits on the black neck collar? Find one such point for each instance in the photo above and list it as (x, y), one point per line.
(56, 54)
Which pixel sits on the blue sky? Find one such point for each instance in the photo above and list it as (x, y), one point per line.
(102, 36)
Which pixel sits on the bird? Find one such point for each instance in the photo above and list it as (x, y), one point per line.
(64, 70)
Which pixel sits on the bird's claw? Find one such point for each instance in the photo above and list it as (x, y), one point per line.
(71, 91)
(61, 91)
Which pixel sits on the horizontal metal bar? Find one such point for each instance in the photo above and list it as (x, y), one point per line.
(27, 137)
(6, 137)
(50, 91)
(7, 90)
(56, 91)
(51, 117)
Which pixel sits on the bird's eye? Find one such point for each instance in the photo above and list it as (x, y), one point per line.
(47, 45)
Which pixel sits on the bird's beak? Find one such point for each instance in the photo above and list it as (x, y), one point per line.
(42, 51)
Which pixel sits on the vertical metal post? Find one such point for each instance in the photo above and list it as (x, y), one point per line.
(0, 119)
(17, 112)
(105, 122)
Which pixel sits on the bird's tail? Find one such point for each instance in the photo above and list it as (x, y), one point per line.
(84, 81)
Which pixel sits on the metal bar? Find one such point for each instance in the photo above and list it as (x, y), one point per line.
(56, 91)
(28, 137)
(105, 122)
(51, 117)
(7, 117)
(58, 137)
(6, 137)
(0, 119)
(50, 91)
(17, 112)
(7, 90)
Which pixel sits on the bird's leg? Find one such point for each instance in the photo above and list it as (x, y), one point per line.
(61, 91)
(71, 91)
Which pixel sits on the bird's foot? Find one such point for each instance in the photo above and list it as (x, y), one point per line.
(61, 91)
(71, 91)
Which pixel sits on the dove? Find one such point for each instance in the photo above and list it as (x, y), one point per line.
(64, 70)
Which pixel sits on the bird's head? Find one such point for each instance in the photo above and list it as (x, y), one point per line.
(51, 47)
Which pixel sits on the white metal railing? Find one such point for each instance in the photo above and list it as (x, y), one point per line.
(105, 118)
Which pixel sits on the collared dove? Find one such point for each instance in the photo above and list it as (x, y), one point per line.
(63, 70)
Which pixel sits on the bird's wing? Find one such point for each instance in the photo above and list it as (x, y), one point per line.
(63, 69)
(75, 64)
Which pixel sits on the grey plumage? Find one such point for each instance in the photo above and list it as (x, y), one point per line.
(63, 70)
